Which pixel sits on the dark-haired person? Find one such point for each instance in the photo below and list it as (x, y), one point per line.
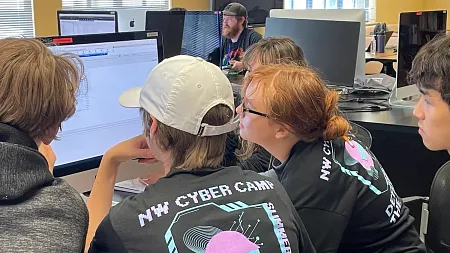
(237, 36)
(431, 73)
(338, 187)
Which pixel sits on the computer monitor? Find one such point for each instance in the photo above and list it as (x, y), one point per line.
(355, 15)
(415, 30)
(113, 63)
(171, 25)
(330, 47)
(131, 20)
(194, 33)
(86, 22)
(258, 10)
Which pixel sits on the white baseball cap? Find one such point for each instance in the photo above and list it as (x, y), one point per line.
(180, 91)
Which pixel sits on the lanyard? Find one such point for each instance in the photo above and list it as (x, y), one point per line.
(229, 54)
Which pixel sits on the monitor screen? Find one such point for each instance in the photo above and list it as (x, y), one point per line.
(330, 47)
(202, 35)
(170, 24)
(111, 66)
(194, 33)
(415, 30)
(86, 22)
(258, 10)
(355, 15)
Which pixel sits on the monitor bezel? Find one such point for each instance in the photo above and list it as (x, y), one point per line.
(94, 162)
(59, 12)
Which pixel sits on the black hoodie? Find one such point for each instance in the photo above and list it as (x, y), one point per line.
(38, 213)
(346, 200)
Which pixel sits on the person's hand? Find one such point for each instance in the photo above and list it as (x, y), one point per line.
(237, 66)
(49, 154)
(133, 149)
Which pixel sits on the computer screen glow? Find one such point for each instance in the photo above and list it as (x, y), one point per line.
(100, 122)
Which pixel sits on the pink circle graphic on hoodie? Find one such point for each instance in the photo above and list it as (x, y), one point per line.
(231, 242)
(355, 153)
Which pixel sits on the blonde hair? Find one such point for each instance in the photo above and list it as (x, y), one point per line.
(296, 97)
(190, 151)
(274, 50)
(37, 87)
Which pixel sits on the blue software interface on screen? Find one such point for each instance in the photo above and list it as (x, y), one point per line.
(100, 122)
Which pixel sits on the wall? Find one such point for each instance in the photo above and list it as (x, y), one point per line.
(191, 4)
(439, 5)
(388, 10)
(45, 20)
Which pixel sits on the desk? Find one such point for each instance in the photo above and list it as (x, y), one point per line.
(396, 120)
(398, 146)
(388, 55)
(387, 58)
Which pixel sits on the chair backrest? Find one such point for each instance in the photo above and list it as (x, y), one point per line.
(362, 134)
(373, 67)
(394, 65)
(438, 232)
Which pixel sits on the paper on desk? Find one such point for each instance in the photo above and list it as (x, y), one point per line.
(132, 185)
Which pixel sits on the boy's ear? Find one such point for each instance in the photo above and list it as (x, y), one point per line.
(50, 135)
(154, 126)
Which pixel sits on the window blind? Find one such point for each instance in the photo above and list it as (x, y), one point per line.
(114, 4)
(16, 18)
(368, 5)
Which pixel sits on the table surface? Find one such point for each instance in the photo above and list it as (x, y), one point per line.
(397, 119)
(389, 54)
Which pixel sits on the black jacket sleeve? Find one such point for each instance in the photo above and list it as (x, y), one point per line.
(106, 239)
(305, 244)
(259, 161)
(325, 237)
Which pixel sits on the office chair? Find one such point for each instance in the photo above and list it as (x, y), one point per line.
(373, 67)
(435, 220)
(362, 134)
(394, 65)
(437, 237)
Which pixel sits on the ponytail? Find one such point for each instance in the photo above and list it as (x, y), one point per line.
(336, 126)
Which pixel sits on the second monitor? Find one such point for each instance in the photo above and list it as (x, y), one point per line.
(194, 33)
(86, 22)
(330, 47)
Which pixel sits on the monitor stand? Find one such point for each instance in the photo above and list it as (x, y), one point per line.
(405, 97)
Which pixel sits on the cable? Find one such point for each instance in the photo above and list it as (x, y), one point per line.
(368, 105)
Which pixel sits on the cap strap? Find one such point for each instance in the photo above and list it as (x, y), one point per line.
(208, 130)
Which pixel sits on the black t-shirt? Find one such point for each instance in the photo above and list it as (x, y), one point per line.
(346, 200)
(235, 50)
(205, 210)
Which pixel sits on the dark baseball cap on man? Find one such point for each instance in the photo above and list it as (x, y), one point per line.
(235, 9)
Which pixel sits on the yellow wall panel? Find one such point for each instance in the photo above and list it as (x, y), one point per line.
(45, 20)
(388, 10)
